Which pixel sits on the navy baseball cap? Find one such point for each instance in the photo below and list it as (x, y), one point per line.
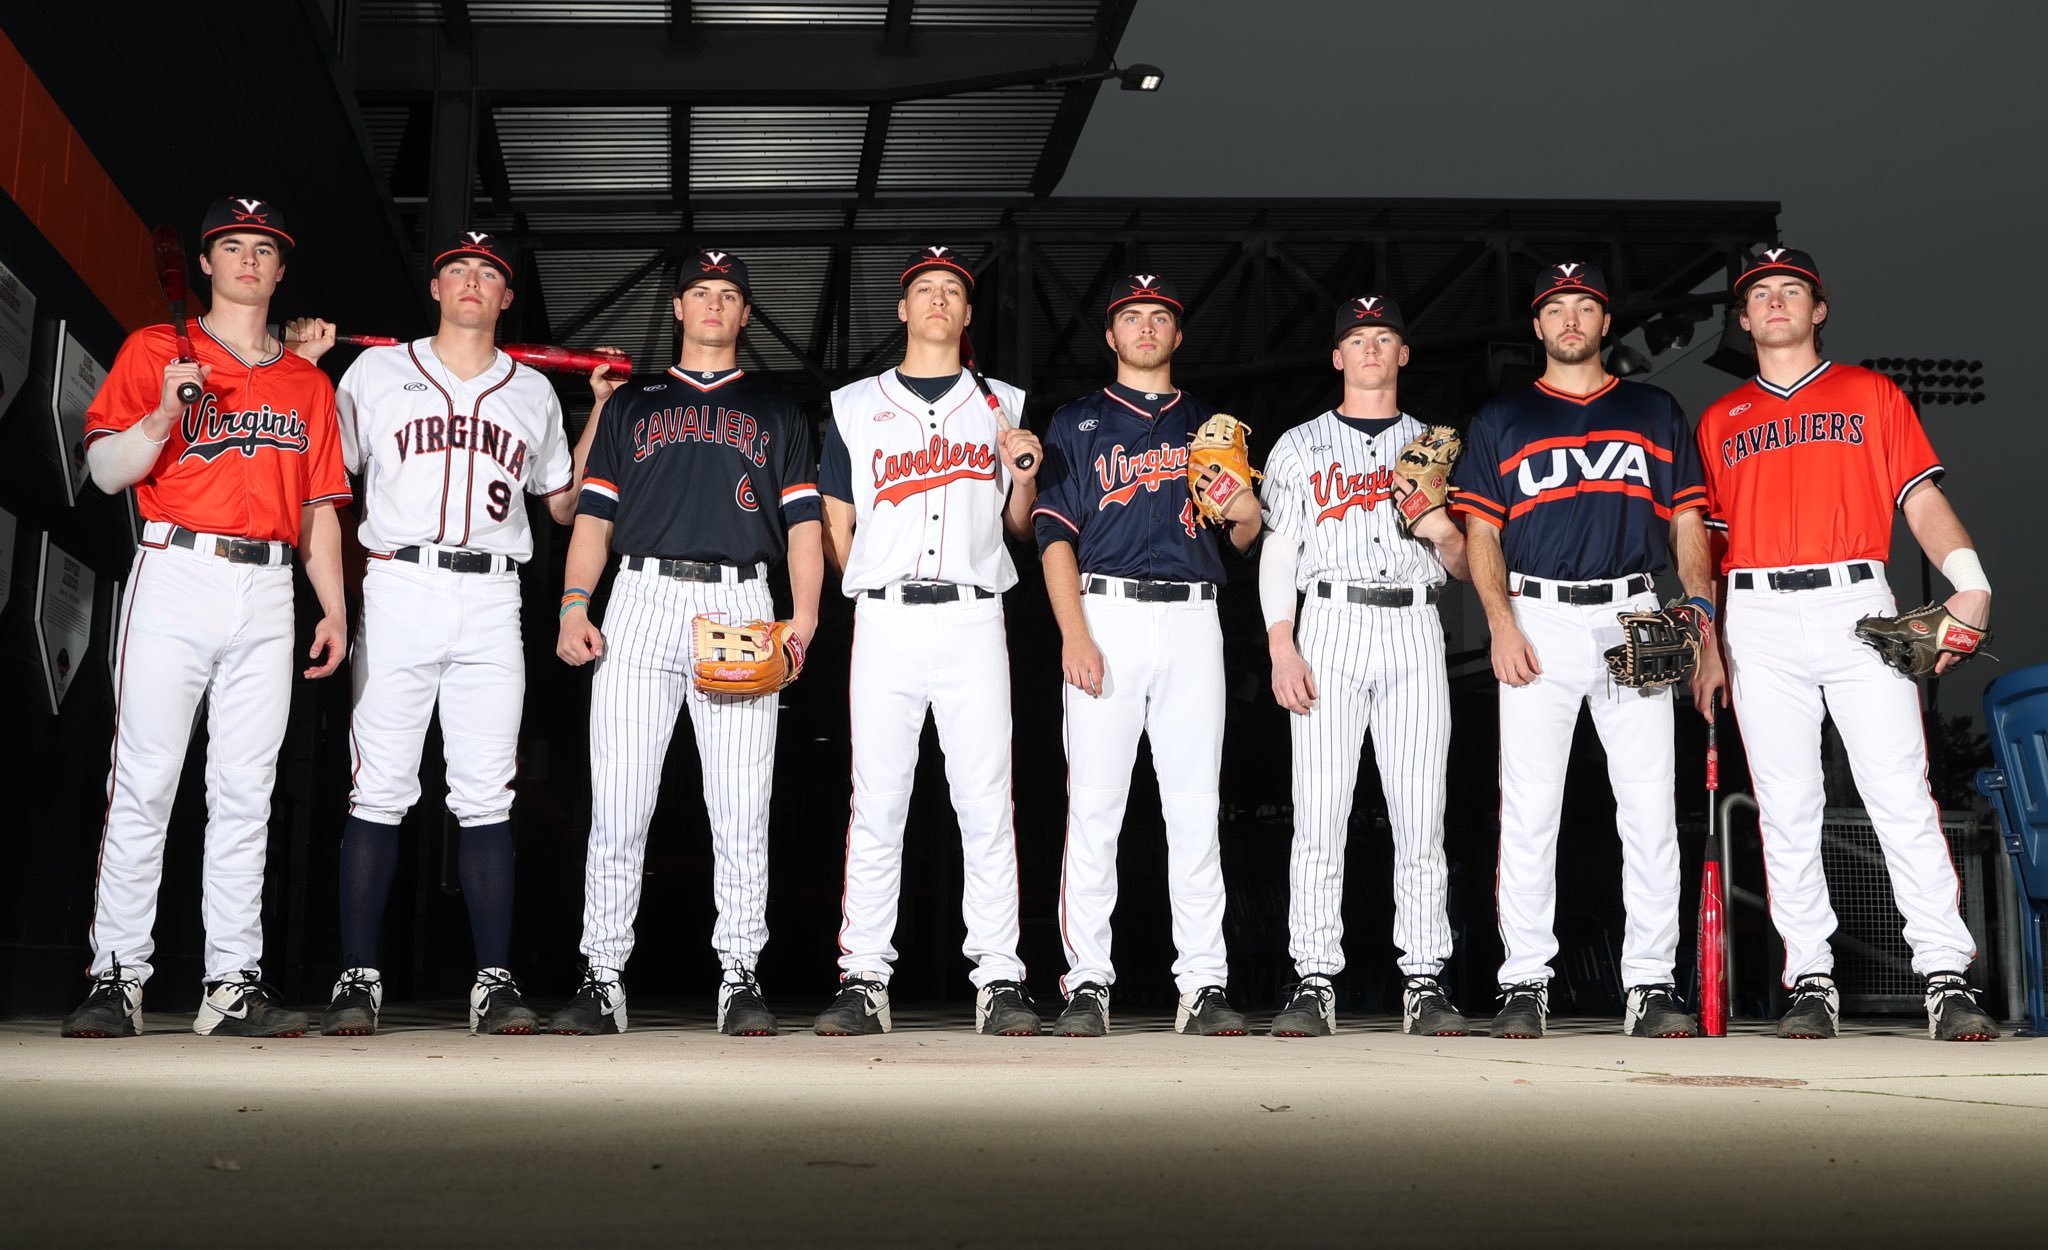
(936, 257)
(1370, 310)
(235, 215)
(1570, 277)
(1145, 288)
(478, 243)
(1770, 259)
(706, 265)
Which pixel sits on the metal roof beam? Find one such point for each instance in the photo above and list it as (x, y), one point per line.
(1079, 100)
(610, 295)
(896, 27)
(731, 65)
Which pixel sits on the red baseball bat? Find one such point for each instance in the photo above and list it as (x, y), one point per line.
(1713, 934)
(536, 355)
(170, 275)
(1026, 459)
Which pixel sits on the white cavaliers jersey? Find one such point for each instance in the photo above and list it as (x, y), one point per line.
(926, 483)
(443, 460)
(1330, 488)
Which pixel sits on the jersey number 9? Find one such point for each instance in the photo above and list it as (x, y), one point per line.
(500, 493)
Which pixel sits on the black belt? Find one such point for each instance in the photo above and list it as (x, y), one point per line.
(691, 570)
(932, 592)
(1152, 592)
(1805, 579)
(1377, 596)
(456, 561)
(233, 550)
(1574, 593)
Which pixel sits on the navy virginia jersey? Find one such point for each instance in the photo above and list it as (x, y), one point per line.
(1582, 487)
(1115, 484)
(702, 466)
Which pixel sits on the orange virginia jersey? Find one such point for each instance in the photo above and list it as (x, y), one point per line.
(260, 444)
(1811, 473)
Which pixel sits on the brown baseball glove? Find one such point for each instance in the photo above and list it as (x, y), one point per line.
(1425, 464)
(1658, 648)
(1915, 641)
(1219, 465)
(760, 657)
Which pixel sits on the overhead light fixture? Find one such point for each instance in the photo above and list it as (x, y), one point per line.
(1142, 77)
(1668, 332)
(1933, 383)
(1736, 353)
(1625, 361)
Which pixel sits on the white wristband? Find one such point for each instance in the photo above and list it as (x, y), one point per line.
(1964, 571)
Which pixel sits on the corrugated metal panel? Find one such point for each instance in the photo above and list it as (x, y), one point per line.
(710, 221)
(1071, 14)
(621, 220)
(786, 282)
(400, 12)
(386, 125)
(555, 12)
(942, 223)
(775, 149)
(790, 12)
(566, 150)
(984, 141)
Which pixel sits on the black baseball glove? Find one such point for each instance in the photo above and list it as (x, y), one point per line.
(1658, 648)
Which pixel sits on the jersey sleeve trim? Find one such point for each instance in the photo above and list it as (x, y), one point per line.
(1932, 472)
(550, 494)
(799, 490)
(1039, 512)
(1472, 504)
(336, 497)
(601, 488)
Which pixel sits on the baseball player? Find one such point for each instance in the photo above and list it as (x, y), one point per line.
(1572, 489)
(921, 477)
(227, 488)
(1806, 466)
(449, 434)
(1370, 658)
(697, 478)
(1133, 578)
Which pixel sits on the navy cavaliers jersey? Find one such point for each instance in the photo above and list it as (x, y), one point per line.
(1582, 487)
(701, 466)
(1115, 484)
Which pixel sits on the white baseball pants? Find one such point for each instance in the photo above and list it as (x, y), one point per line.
(194, 626)
(953, 659)
(643, 681)
(1536, 726)
(428, 634)
(1377, 670)
(1162, 677)
(1791, 656)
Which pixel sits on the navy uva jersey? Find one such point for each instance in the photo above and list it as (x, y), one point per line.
(712, 467)
(1115, 484)
(1582, 487)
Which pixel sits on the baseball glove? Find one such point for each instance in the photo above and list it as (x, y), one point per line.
(1219, 447)
(1914, 642)
(1658, 648)
(760, 657)
(1426, 464)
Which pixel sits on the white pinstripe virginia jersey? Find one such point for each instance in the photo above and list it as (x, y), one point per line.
(925, 480)
(1329, 487)
(444, 460)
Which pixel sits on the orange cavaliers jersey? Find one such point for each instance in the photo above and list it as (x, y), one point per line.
(260, 444)
(1812, 473)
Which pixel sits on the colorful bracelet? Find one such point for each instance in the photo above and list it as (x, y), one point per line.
(1705, 606)
(574, 597)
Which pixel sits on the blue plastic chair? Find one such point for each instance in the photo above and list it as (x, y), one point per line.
(2016, 717)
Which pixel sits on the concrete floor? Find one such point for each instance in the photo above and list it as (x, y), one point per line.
(933, 1136)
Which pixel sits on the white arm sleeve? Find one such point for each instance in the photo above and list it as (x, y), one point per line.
(1278, 560)
(118, 461)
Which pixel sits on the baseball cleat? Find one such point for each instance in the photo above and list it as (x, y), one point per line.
(352, 1011)
(1310, 1008)
(1087, 1013)
(113, 1008)
(1426, 1010)
(741, 1010)
(1816, 1009)
(1952, 1011)
(862, 1007)
(1523, 1009)
(597, 1006)
(1653, 1011)
(497, 1007)
(1003, 1009)
(245, 1006)
(1208, 1013)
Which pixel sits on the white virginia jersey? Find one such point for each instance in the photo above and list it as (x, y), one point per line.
(444, 460)
(1329, 487)
(926, 482)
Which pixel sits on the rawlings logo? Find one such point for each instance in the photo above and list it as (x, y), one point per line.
(210, 433)
(1122, 473)
(1089, 424)
(937, 463)
(886, 414)
(1337, 492)
(1738, 410)
(415, 386)
(1958, 637)
(721, 672)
